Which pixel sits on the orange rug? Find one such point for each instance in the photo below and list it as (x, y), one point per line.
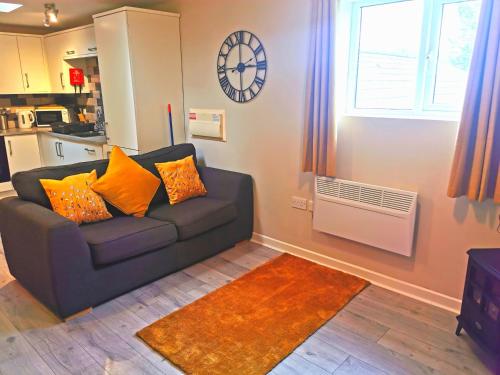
(250, 325)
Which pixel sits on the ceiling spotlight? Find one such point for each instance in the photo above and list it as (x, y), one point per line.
(9, 7)
(50, 14)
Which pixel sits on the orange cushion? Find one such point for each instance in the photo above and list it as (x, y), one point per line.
(126, 185)
(181, 179)
(73, 198)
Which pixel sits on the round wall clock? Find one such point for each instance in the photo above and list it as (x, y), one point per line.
(242, 66)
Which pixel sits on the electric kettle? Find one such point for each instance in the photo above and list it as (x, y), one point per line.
(25, 119)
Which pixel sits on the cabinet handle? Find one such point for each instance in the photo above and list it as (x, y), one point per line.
(92, 49)
(70, 52)
(90, 150)
(10, 147)
(61, 75)
(61, 149)
(27, 80)
(56, 144)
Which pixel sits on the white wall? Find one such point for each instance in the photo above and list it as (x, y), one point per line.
(265, 140)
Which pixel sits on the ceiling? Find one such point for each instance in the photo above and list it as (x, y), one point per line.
(29, 17)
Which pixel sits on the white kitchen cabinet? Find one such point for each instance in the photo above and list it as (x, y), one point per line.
(49, 150)
(11, 77)
(58, 151)
(33, 64)
(76, 152)
(68, 49)
(106, 151)
(80, 42)
(138, 80)
(22, 152)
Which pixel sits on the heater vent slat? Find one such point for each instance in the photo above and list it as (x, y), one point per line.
(376, 196)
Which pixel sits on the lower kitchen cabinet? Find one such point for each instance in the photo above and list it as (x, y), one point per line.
(22, 152)
(56, 151)
(49, 150)
(73, 152)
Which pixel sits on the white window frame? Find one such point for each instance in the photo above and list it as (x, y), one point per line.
(426, 64)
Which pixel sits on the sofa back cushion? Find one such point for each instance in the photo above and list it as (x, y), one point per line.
(28, 187)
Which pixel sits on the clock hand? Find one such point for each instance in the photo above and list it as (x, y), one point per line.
(246, 66)
(246, 62)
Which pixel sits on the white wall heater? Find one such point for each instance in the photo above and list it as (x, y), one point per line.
(373, 215)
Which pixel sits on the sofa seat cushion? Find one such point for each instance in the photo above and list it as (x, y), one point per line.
(124, 237)
(195, 216)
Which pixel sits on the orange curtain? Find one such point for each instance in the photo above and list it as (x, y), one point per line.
(319, 130)
(476, 166)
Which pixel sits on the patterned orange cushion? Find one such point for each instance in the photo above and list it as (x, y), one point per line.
(181, 179)
(73, 198)
(126, 184)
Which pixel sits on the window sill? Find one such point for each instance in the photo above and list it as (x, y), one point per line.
(453, 119)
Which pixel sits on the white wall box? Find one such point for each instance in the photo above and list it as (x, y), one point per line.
(140, 72)
(208, 124)
(68, 49)
(22, 152)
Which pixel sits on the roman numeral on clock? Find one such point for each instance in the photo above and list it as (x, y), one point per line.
(261, 65)
(231, 92)
(229, 42)
(259, 82)
(224, 83)
(251, 94)
(240, 36)
(258, 50)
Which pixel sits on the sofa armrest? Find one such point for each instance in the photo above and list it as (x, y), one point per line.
(235, 187)
(47, 254)
(222, 184)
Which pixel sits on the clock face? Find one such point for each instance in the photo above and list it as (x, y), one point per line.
(242, 66)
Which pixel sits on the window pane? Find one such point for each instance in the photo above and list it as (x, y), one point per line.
(388, 55)
(458, 31)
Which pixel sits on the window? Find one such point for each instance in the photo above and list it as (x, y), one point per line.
(410, 57)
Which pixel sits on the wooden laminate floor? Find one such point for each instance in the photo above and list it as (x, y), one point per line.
(379, 332)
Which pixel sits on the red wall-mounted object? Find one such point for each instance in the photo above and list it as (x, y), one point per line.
(76, 76)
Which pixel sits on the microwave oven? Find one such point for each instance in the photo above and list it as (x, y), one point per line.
(46, 116)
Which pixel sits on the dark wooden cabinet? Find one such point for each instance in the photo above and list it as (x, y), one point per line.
(480, 313)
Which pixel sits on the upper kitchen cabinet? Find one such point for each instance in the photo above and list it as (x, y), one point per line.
(11, 81)
(33, 64)
(68, 49)
(139, 81)
(24, 68)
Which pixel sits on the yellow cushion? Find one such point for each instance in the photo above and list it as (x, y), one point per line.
(73, 198)
(126, 185)
(181, 179)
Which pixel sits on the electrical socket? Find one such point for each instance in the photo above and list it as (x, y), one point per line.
(300, 203)
(310, 205)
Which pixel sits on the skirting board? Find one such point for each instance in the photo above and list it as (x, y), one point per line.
(402, 287)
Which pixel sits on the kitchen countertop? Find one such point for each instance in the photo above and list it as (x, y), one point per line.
(17, 131)
(99, 140)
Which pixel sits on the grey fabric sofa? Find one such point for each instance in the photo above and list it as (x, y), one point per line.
(70, 268)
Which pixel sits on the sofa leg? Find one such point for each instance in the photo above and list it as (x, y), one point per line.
(78, 314)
